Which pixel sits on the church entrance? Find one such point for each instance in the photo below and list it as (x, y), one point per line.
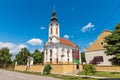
(50, 60)
(56, 60)
(77, 66)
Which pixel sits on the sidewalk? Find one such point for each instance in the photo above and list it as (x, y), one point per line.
(97, 77)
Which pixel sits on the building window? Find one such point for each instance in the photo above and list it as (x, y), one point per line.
(50, 60)
(63, 51)
(68, 60)
(56, 30)
(51, 31)
(51, 53)
(97, 60)
(50, 24)
(57, 52)
(102, 43)
(56, 60)
(68, 53)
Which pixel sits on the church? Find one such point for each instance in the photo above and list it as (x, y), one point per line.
(58, 50)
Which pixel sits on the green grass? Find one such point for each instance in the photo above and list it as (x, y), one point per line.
(65, 77)
(104, 74)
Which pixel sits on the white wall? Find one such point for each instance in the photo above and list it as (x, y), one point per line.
(90, 55)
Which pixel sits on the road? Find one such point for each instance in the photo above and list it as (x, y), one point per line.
(11, 75)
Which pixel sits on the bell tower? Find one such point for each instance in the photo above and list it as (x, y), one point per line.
(53, 27)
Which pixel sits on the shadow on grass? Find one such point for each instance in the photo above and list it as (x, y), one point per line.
(110, 79)
(72, 78)
(115, 72)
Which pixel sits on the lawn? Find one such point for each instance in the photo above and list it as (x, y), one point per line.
(65, 77)
(104, 74)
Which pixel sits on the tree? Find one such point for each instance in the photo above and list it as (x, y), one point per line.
(113, 45)
(22, 56)
(5, 57)
(38, 57)
(83, 57)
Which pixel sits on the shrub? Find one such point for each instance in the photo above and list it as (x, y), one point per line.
(88, 68)
(47, 69)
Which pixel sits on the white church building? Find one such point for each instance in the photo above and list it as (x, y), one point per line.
(57, 50)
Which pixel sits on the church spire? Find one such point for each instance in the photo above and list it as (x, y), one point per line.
(54, 18)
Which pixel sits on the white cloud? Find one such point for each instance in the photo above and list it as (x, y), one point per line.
(42, 28)
(89, 26)
(66, 36)
(14, 48)
(17, 48)
(35, 41)
(90, 43)
(41, 49)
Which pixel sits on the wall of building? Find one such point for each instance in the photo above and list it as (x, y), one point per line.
(90, 55)
(108, 68)
(20, 67)
(56, 68)
(62, 69)
(97, 43)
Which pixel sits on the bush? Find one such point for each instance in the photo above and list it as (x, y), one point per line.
(88, 68)
(47, 69)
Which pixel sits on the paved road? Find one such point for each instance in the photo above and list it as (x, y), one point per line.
(10, 75)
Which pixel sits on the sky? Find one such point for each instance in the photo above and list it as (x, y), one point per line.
(24, 23)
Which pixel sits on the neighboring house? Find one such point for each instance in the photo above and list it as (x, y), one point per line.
(57, 50)
(30, 61)
(95, 53)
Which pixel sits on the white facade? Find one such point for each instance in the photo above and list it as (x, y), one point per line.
(57, 50)
(90, 56)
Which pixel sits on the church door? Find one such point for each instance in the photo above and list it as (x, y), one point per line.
(77, 66)
(50, 60)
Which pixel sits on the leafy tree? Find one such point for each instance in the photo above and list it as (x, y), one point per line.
(5, 57)
(22, 56)
(83, 57)
(113, 45)
(88, 68)
(38, 57)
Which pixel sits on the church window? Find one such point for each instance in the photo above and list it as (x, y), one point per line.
(51, 30)
(56, 60)
(50, 60)
(56, 30)
(51, 24)
(68, 53)
(51, 53)
(68, 60)
(57, 52)
(56, 24)
(63, 51)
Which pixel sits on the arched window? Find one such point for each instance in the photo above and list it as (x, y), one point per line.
(57, 52)
(68, 60)
(63, 51)
(56, 30)
(51, 53)
(51, 30)
(68, 53)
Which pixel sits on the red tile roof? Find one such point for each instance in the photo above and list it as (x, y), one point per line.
(67, 42)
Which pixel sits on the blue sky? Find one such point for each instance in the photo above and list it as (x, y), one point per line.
(25, 22)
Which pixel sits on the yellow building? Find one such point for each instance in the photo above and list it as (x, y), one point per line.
(95, 53)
